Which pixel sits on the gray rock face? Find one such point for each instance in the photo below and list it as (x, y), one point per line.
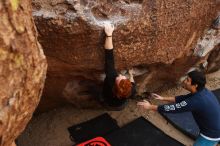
(157, 38)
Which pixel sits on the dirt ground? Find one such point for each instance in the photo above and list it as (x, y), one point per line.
(50, 128)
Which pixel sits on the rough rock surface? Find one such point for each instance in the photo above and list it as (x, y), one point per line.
(157, 38)
(214, 60)
(22, 68)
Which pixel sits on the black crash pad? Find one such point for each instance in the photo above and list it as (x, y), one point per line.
(140, 132)
(99, 126)
(185, 121)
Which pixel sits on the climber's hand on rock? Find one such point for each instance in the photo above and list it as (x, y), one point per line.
(109, 28)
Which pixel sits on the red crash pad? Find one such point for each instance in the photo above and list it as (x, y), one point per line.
(98, 141)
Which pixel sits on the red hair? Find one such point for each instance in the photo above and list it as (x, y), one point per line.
(123, 89)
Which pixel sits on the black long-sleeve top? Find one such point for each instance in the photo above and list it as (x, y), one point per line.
(109, 82)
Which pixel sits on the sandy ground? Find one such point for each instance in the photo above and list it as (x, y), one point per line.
(50, 128)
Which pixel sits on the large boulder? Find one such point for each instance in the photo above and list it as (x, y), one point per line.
(157, 38)
(22, 68)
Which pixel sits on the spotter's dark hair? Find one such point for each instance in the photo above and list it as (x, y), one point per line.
(198, 78)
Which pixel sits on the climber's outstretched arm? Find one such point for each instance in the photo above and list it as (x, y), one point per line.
(109, 28)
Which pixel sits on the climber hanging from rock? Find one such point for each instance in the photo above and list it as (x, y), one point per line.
(117, 88)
